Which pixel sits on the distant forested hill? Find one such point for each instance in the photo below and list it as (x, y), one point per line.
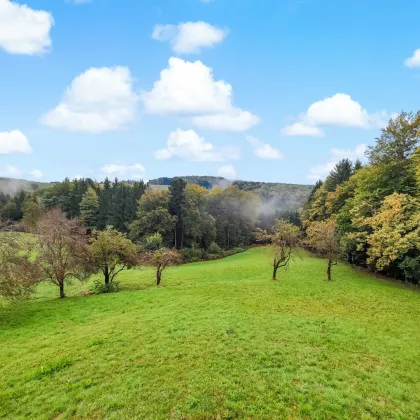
(279, 195)
(11, 186)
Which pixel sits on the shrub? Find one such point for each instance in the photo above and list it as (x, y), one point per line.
(192, 254)
(214, 249)
(153, 242)
(111, 287)
(233, 251)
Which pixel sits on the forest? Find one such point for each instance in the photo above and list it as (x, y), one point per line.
(376, 208)
(372, 211)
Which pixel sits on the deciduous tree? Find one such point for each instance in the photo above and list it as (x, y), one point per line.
(153, 216)
(112, 252)
(31, 212)
(160, 260)
(324, 239)
(285, 241)
(398, 140)
(18, 274)
(395, 231)
(63, 252)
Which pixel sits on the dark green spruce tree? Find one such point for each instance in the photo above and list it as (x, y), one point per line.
(177, 209)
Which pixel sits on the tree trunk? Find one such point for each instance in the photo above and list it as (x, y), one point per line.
(62, 295)
(329, 270)
(158, 277)
(106, 275)
(275, 272)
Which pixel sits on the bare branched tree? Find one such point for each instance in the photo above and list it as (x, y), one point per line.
(63, 252)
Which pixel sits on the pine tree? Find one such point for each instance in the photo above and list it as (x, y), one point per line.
(105, 198)
(341, 173)
(89, 207)
(177, 209)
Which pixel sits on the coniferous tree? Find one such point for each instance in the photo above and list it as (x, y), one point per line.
(105, 198)
(89, 207)
(342, 171)
(177, 209)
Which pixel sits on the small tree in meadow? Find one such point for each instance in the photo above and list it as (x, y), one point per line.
(323, 237)
(112, 252)
(285, 242)
(160, 260)
(63, 253)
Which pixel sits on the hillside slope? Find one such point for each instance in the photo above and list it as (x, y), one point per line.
(12, 186)
(219, 339)
(279, 195)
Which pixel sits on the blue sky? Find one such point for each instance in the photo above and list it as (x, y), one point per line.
(258, 90)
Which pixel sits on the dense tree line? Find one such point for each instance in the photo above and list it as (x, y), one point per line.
(376, 208)
(187, 216)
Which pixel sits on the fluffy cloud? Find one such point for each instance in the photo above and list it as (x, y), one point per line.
(24, 30)
(98, 100)
(189, 37)
(322, 171)
(414, 60)
(302, 129)
(264, 151)
(188, 145)
(36, 173)
(9, 171)
(338, 110)
(233, 120)
(14, 142)
(135, 171)
(188, 89)
(227, 171)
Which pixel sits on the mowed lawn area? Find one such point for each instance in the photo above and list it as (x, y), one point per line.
(219, 340)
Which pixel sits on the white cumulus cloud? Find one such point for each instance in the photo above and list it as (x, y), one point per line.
(24, 30)
(337, 110)
(233, 120)
(9, 171)
(135, 171)
(189, 89)
(189, 37)
(264, 151)
(36, 173)
(14, 142)
(323, 170)
(302, 129)
(188, 145)
(227, 171)
(98, 100)
(414, 60)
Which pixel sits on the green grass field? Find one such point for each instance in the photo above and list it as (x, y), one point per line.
(219, 340)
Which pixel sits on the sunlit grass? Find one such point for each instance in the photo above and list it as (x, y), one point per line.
(218, 339)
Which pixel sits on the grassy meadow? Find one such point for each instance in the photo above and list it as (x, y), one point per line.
(219, 340)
